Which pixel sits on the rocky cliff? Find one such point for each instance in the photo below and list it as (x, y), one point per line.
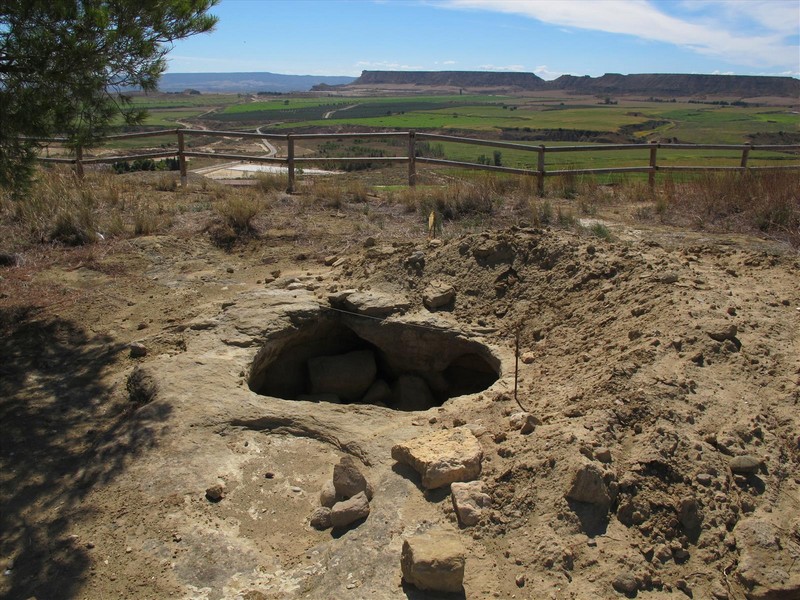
(652, 84)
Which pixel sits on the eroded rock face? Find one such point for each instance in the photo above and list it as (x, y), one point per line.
(765, 563)
(434, 561)
(442, 457)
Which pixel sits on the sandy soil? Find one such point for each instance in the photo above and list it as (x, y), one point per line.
(629, 363)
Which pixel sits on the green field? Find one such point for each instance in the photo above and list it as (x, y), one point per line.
(524, 120)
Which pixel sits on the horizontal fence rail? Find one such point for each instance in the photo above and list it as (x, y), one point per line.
(412, 159)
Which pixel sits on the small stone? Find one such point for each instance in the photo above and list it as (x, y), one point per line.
(137, 350)
(663, 553)
(329, 260)
(438, 295)
(434, 561)
(216, 492)
(588, 485)
(327, 495)
(348, 480)
(321, 518)
(346, 512)
(689, 514)
(668, 277)
(603, 454)
(527, 357)
(625, 583)
(90, 545)
(744, 465)
(723, 332)
(704, 479)
(469, 501)
(529, 425)
(520, 581)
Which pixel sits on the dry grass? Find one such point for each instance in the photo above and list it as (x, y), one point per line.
(767, 203)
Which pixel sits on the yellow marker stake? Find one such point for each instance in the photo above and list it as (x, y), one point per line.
(431, 223)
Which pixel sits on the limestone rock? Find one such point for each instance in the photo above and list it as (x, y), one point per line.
(589, 486)
(349, 511)
(378, 393)
(348, 479)
(744, 465)
(376, 305)
(321, 518)
(469, 501)
(766, 567)
(411, 393)
(346, 375)
(442, 457)
(437, 295)
(434, 561)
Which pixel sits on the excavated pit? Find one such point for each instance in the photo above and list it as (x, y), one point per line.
(344, 358)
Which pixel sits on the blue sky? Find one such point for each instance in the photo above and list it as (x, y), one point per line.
(546, 37)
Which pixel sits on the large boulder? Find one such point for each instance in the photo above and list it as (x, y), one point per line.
(442, 457)
(434, 561)
(411, 393)
(348, 375)
(374, 304)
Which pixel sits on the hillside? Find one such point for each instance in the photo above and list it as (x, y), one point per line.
(656, 84)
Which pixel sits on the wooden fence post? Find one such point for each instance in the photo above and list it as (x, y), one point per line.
(412, 158)
(540, 169)
(290, 161)
(182, 159)
(651, 175)
(745, 156)
(79, 162)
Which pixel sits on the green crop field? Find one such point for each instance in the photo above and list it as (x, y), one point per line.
(550, 121)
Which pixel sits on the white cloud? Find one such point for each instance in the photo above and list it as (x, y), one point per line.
(514, 68)
(716, 31)
(386, 66)
(547, 73)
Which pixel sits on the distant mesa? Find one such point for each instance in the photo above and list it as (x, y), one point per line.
(655, 84)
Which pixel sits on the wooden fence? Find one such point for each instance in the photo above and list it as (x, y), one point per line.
(290, 161)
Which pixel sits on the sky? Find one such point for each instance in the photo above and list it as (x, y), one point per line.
(546, 37)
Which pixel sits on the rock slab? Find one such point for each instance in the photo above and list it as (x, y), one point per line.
(434, 561)
(443, 457)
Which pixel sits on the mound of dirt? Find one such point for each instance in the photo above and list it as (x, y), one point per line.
(639, 438)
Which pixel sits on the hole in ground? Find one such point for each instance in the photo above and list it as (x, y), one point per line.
(345, 358)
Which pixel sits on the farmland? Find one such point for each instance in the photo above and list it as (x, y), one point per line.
(546, 119)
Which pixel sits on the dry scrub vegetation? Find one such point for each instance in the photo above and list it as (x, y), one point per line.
(61, 210)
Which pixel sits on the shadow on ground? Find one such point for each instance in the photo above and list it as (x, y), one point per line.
(65, 432)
